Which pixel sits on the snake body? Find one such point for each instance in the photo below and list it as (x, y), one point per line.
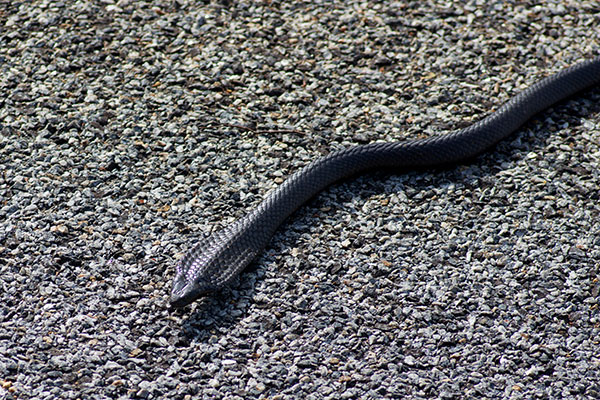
(212, 263)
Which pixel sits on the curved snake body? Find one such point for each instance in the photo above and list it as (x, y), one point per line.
(214, 262)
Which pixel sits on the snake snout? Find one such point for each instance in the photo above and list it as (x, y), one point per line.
(185, 292)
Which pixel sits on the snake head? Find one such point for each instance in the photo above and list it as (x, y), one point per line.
(186, 290)
(212, 264)
(194, 275)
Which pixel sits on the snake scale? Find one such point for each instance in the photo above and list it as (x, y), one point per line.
(212, 263)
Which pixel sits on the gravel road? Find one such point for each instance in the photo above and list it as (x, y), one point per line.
(130, 129)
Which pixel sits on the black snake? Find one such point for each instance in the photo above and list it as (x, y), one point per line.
(214, 262)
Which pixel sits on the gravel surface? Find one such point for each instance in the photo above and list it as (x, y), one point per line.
(131, 129)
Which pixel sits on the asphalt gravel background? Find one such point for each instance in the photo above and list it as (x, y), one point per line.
(129, 130)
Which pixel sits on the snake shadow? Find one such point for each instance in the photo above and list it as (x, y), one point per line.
(216, 313)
